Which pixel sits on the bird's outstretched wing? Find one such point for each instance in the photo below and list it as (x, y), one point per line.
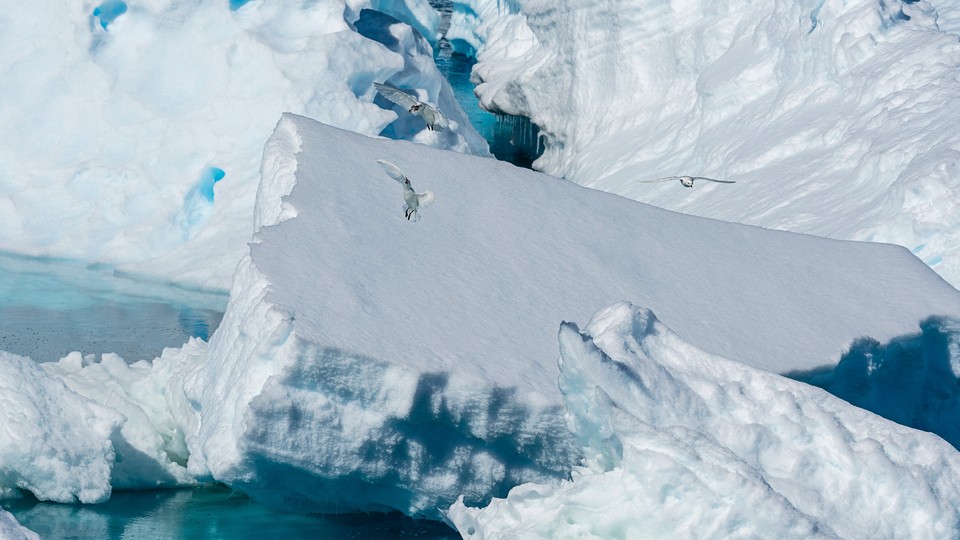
(714, 180)
(679, 178)
(392, 170)
(396, 95)
(425, 199)
(669, 178)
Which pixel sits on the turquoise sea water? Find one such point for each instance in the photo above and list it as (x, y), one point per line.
(49, 308)
(511, 138)
(208, 513)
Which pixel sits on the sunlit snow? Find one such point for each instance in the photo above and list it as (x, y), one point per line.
(368, 362)
(115, 114)
(679, 443)
(835, 118)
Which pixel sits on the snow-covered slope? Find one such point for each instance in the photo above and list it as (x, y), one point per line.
(371, 362)
(835, 118)
(133, 131)
(680, 443)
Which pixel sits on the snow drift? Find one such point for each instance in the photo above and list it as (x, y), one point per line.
(835, 118)
(53, 442)
(682, 443)
(913, 380)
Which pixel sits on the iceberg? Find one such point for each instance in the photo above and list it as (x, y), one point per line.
(75, 430)
(912, 380)
(370, 363)
(682, 443)
(834, 118)
(367, 363)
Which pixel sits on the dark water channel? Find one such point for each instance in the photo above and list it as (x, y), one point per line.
(511, 138)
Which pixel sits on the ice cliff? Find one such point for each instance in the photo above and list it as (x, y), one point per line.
(369, 362)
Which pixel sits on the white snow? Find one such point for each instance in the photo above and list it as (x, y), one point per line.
(368, 362)
(115, 122)
(150, 446)
(10, 529)
(467, 33)
(53, 442)
(835, 118)
(76, 429)
(912, 380)
(680, 443)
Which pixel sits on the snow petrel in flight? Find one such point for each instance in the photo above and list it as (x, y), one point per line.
(413, 200)
(431, 115)
(687, 181)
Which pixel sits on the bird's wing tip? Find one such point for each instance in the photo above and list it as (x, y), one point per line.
(392, 170)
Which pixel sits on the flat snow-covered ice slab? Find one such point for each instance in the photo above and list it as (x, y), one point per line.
(478, 285)
(370, 362)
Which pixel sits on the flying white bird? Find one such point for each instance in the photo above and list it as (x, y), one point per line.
(431, 115)
(414, 201)
(687, 181)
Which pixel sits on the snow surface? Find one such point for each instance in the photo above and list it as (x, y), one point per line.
(53, 442)
(150, 447)
(913, 380)
(366, 362)
(835, 118)
(73, 430)
(10, 529)
(737, 453)
(370, 363)
(117, 116)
